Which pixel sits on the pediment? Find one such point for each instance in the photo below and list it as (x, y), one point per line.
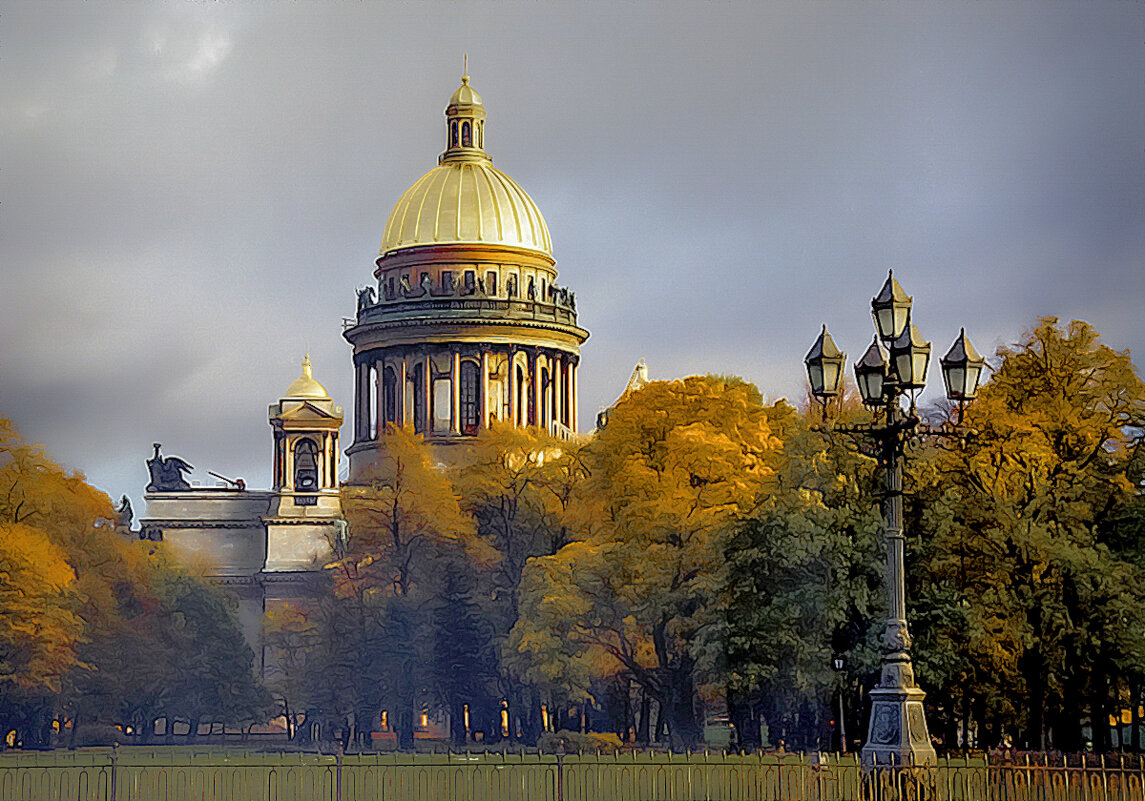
(307, 411)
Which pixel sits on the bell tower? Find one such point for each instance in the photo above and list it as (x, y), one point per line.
(305, 511)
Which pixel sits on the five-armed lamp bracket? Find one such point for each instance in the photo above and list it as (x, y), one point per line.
(893, 367)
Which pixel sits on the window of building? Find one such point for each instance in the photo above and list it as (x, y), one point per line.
(470, 401)
(419, 399)
(447, 281)
(491, 282)
(466, 135)
(305, 466)
(453, 134)
(545, 392)
(390, 395)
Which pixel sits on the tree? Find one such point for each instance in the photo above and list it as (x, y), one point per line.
(517, 485)
(405, 529)
(1016, 539)
(677, 463)
(39, 629)
(804, 582)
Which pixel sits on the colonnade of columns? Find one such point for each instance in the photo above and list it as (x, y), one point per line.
(456, 390)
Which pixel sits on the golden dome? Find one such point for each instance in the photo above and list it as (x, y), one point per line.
(305, 386)
(465, 199)
(465, 95)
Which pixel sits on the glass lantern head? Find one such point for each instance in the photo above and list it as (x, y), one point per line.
(891, 310)
(910, 356)
(825, 367)
(962, 369)
(871, 374)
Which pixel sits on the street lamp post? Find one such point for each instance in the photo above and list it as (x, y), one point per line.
(838, 662)
(897, 734)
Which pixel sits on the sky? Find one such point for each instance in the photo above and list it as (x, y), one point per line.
(191, 193)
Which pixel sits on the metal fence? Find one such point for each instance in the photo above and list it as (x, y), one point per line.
(144, 774)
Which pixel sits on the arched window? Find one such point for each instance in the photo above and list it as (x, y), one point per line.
(519, 412)
(453, 134)
(305, 466)
(466, 135)
(390, 395)
(470, 401)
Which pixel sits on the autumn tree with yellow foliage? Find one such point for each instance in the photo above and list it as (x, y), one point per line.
(517, 484)
(642, 591)
(1017, 537)
(93, 626)
(406, 532)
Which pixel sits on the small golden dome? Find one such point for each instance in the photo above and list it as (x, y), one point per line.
(465, 95)
(305, 386)
(465, 199)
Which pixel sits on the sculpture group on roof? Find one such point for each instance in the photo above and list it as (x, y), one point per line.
(470, 286)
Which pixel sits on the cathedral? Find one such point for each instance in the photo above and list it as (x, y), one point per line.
(467, 326)
(464, 327)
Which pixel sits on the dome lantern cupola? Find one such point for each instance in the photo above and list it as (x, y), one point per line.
(465, 126)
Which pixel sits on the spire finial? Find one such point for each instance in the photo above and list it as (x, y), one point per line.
(465, 68)
(307, 368)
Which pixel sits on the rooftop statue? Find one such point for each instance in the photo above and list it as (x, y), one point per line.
(124, 514)
(167, 474)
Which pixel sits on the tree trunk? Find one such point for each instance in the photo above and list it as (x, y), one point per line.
(457, 734)
(643, 725)
(684, 730)
(405, 728)
(75, 730)
(1136, 699)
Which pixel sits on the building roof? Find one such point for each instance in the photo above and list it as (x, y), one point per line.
(465, 199)
(305, 386)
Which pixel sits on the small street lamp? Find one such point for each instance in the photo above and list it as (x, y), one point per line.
(839, 663)
(894, 367)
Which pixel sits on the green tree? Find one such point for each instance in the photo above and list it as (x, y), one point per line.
(804, 583)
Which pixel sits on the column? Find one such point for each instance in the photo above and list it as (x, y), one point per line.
(288, 463)
(455, 392)
(513, 387)
(427, 395)
(535, 379)
(361, 402)
(483, 388)
(573, 424)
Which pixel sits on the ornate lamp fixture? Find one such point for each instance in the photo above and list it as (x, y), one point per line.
(897, 736)
(891, 309)
(871, 374)
(910, 355)
(961, 371)
(825, 367)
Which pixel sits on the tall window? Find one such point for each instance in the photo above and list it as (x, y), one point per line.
(453, 134)
(419, 399)
(466, 135)
(305, 466)
(390, 395)
(470, 403)
(519, 412)
(545, 392)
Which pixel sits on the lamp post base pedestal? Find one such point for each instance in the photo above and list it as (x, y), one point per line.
(898, 736)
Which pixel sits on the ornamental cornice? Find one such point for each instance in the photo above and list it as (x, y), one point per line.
(361, 329)
(199, 524)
